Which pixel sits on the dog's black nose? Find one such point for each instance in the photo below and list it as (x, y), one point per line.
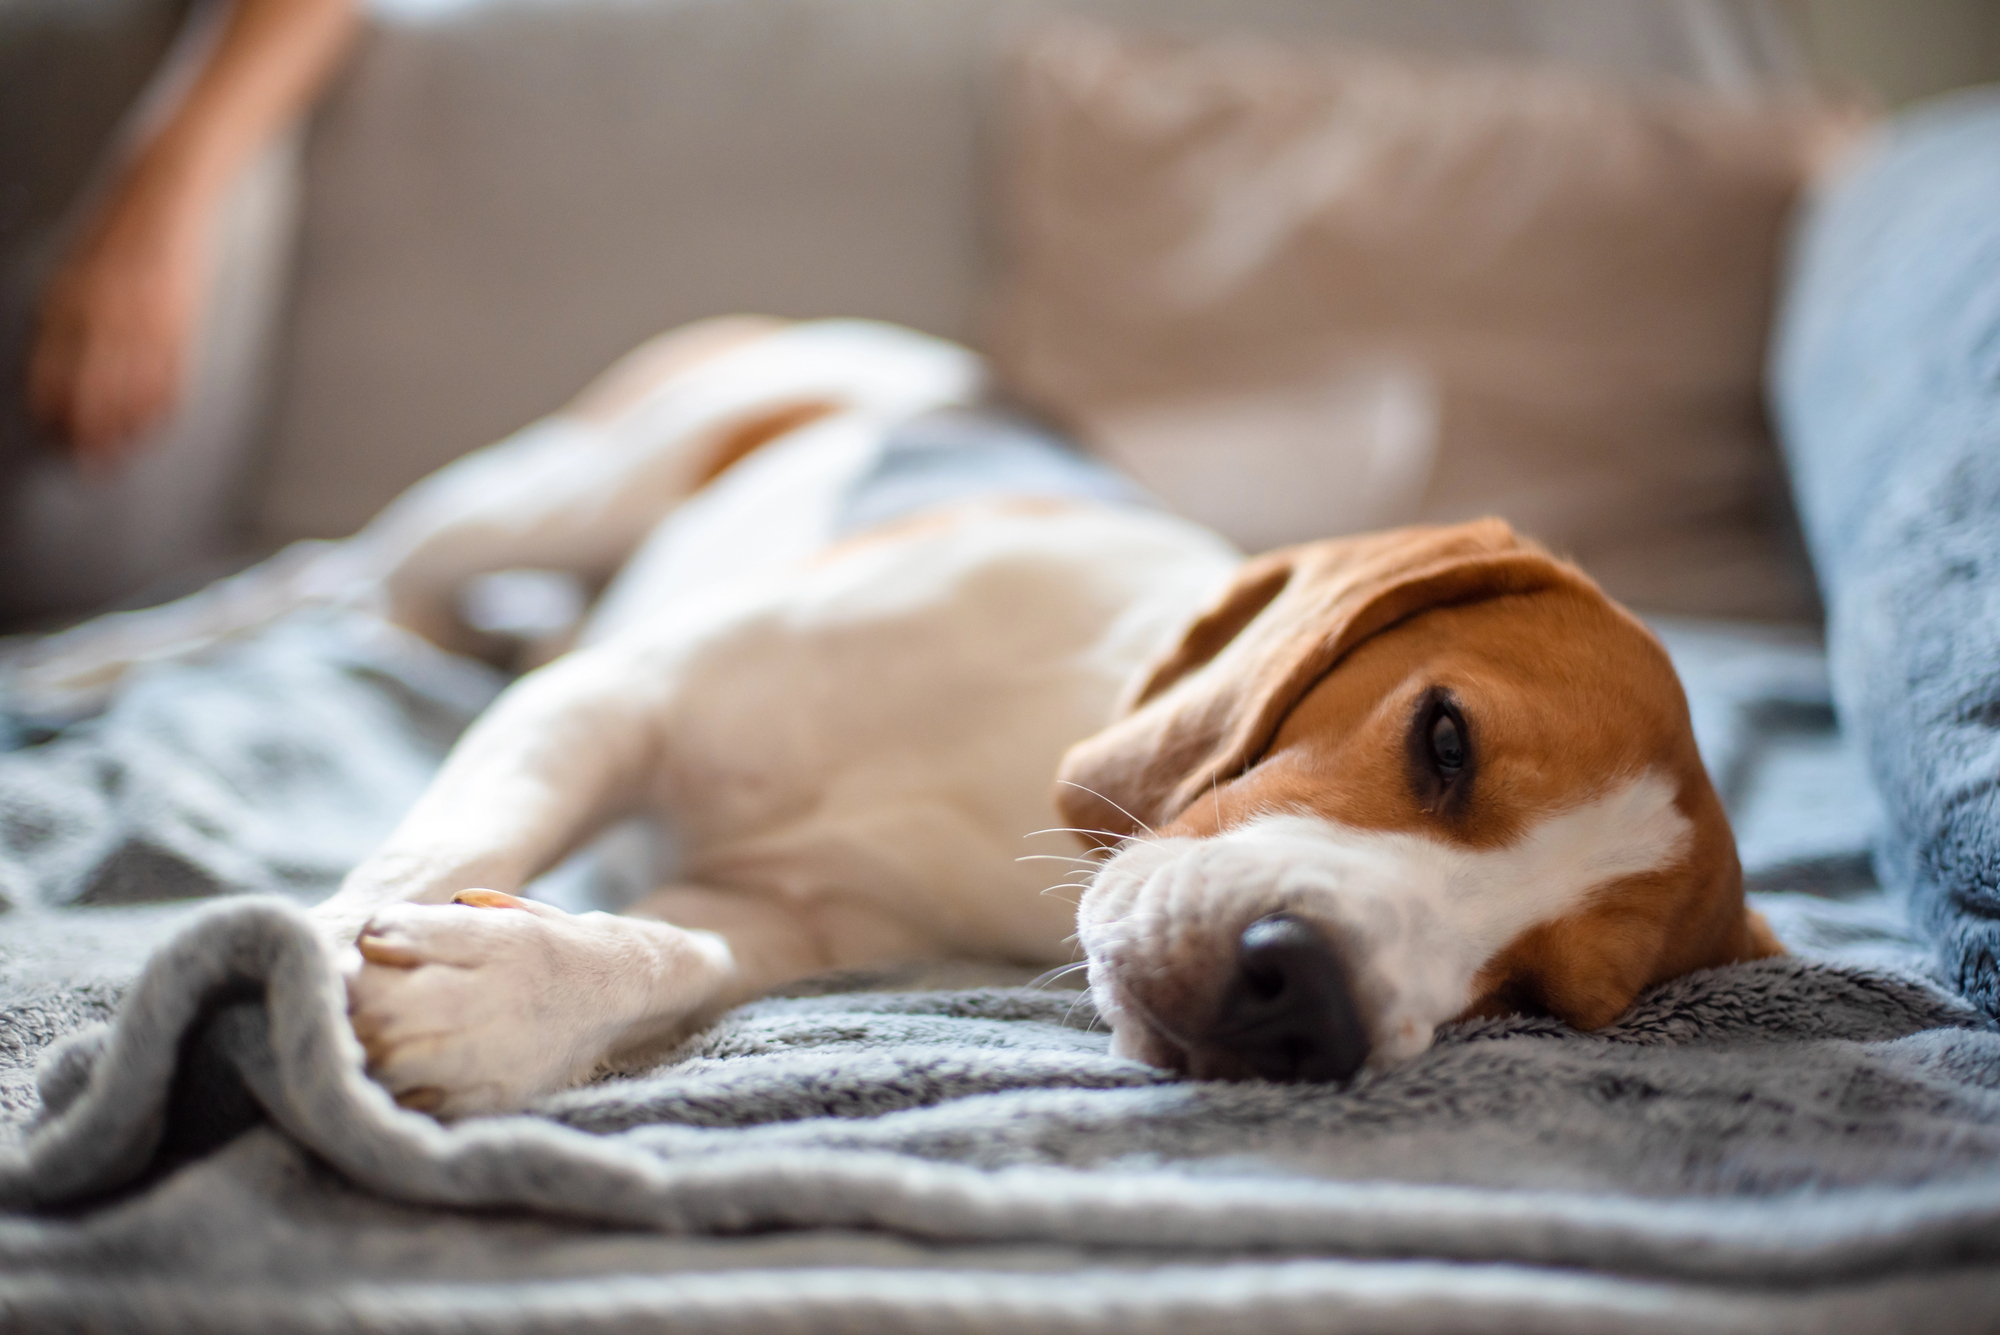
(1288, 1014)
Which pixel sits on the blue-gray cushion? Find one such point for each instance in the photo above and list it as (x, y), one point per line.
(1887, 387)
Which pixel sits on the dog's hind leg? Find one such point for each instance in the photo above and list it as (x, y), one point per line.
(577, 491)
(574, 493)
(581, 490)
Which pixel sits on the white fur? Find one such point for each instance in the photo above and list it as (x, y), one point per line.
(858, 746)
(1415, 918)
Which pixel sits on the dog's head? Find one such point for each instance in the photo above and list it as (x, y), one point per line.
(1387, 782)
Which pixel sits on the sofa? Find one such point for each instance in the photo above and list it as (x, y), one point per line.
(499, 198)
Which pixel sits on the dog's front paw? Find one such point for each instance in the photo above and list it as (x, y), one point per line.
(479, 1005)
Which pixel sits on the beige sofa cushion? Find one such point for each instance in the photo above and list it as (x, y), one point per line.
(1304, 291)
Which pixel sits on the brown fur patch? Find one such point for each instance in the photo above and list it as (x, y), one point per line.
(747, 437)
(937, 519)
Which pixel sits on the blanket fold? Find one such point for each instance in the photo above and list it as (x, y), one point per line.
(691, 1154)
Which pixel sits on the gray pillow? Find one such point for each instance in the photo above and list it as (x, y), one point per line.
(1887, 388)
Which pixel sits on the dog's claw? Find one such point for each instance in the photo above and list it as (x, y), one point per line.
(376, 950)
(488, 899)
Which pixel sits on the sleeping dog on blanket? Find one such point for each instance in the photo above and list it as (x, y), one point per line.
(878, 655)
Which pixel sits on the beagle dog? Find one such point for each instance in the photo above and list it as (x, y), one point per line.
(1317, 803)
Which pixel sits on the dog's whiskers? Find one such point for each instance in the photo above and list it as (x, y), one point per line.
(1071, 829)
(1082, 996)
(1120, 810)
(1057, 974)
(1165, 1030)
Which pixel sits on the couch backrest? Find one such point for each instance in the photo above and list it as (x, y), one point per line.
(502, 197)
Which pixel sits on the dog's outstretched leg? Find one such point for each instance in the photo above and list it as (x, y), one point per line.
(465, 1007)
(562, 753)
(482, 1004)
(479, 1005)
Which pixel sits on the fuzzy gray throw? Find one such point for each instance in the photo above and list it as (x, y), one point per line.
(1887, 382)
(1810, 1143)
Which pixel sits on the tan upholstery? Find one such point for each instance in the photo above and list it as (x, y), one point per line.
(504, 197)
(1416, 289)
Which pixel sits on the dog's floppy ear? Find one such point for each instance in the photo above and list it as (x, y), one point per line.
(1205, 711)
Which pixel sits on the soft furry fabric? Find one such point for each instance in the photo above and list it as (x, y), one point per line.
(196, 781)
(1802, 1144)
(1888, 389)
(271, 765)
(1815, 1127)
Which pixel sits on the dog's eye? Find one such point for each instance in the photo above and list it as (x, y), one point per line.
(1439, 753)
(1447, 743)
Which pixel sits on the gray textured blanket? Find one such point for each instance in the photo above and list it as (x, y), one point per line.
(1810, 1143)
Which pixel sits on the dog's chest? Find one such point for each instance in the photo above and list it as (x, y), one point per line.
(882, 725)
